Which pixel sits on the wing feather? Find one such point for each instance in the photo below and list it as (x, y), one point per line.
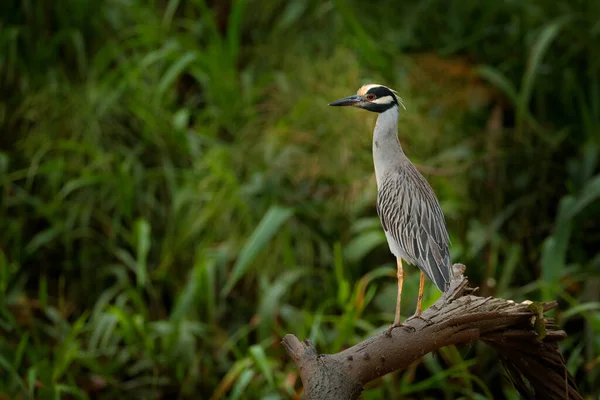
(412, 217)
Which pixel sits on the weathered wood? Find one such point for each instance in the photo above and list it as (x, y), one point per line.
(513, 329)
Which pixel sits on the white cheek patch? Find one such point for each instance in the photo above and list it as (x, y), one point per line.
(383, 100)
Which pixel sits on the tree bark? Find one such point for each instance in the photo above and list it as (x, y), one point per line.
(525, 340)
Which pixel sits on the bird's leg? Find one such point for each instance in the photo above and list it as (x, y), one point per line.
(400, 275)
(420, 299)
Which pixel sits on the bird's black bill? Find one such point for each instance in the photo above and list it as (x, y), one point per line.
(347, 101)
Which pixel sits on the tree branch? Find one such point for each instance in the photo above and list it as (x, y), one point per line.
(524, 339)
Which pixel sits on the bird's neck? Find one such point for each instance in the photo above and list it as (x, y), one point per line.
(387, 151)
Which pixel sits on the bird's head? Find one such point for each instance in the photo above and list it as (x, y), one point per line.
(372, 97)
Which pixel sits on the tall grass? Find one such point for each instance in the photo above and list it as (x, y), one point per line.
(176, 196)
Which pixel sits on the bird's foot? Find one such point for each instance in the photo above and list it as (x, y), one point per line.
(389, 330)
(421, 317)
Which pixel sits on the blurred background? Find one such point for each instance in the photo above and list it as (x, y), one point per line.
(176, 196)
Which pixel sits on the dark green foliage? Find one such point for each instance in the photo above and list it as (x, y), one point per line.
(176, 196)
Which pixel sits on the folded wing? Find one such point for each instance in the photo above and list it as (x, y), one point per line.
(413, 219)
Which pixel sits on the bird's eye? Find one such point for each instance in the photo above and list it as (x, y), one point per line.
(370, 97)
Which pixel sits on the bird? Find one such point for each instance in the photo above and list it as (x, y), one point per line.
(408, 209)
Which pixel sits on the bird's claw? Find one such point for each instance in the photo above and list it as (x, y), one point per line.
(419, 316)
(389, 330)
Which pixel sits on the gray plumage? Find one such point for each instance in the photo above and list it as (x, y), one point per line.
(410, 213)
(413, 222)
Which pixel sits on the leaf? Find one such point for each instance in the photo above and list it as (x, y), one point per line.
(142, 231)
(20, 351)
(362, 244)
(41, 239)
(205, 268)
(230, 377)
(580, 309)
(174, 71)
(185, 300)
(513, 258)
(8, 367)
(365, 281)
(291, 14)
(342, 283)
(435, 379)
(258, 355)
(234, 27)
(170, 10)
(241, 384)
(79, 183)
(500, 81)
(266, 229)
(554, 248)
(590, 193)
(68, 350)
(271, 298)
(4, 163)
(72, 390)
(539, 48)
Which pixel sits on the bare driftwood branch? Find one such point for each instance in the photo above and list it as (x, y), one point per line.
(525, 340)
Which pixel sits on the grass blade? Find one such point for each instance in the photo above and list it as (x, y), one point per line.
(500, 81)
(174, 71)
(266, 229)
(143, 241)
(241, 384)
(538, 50)
(271, 299)
(260, 358)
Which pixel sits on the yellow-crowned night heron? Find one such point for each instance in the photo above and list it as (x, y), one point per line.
(408, 209)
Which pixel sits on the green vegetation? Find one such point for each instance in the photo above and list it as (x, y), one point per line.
(175, 195)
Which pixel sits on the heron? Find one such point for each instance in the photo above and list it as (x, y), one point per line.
(408, 209)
